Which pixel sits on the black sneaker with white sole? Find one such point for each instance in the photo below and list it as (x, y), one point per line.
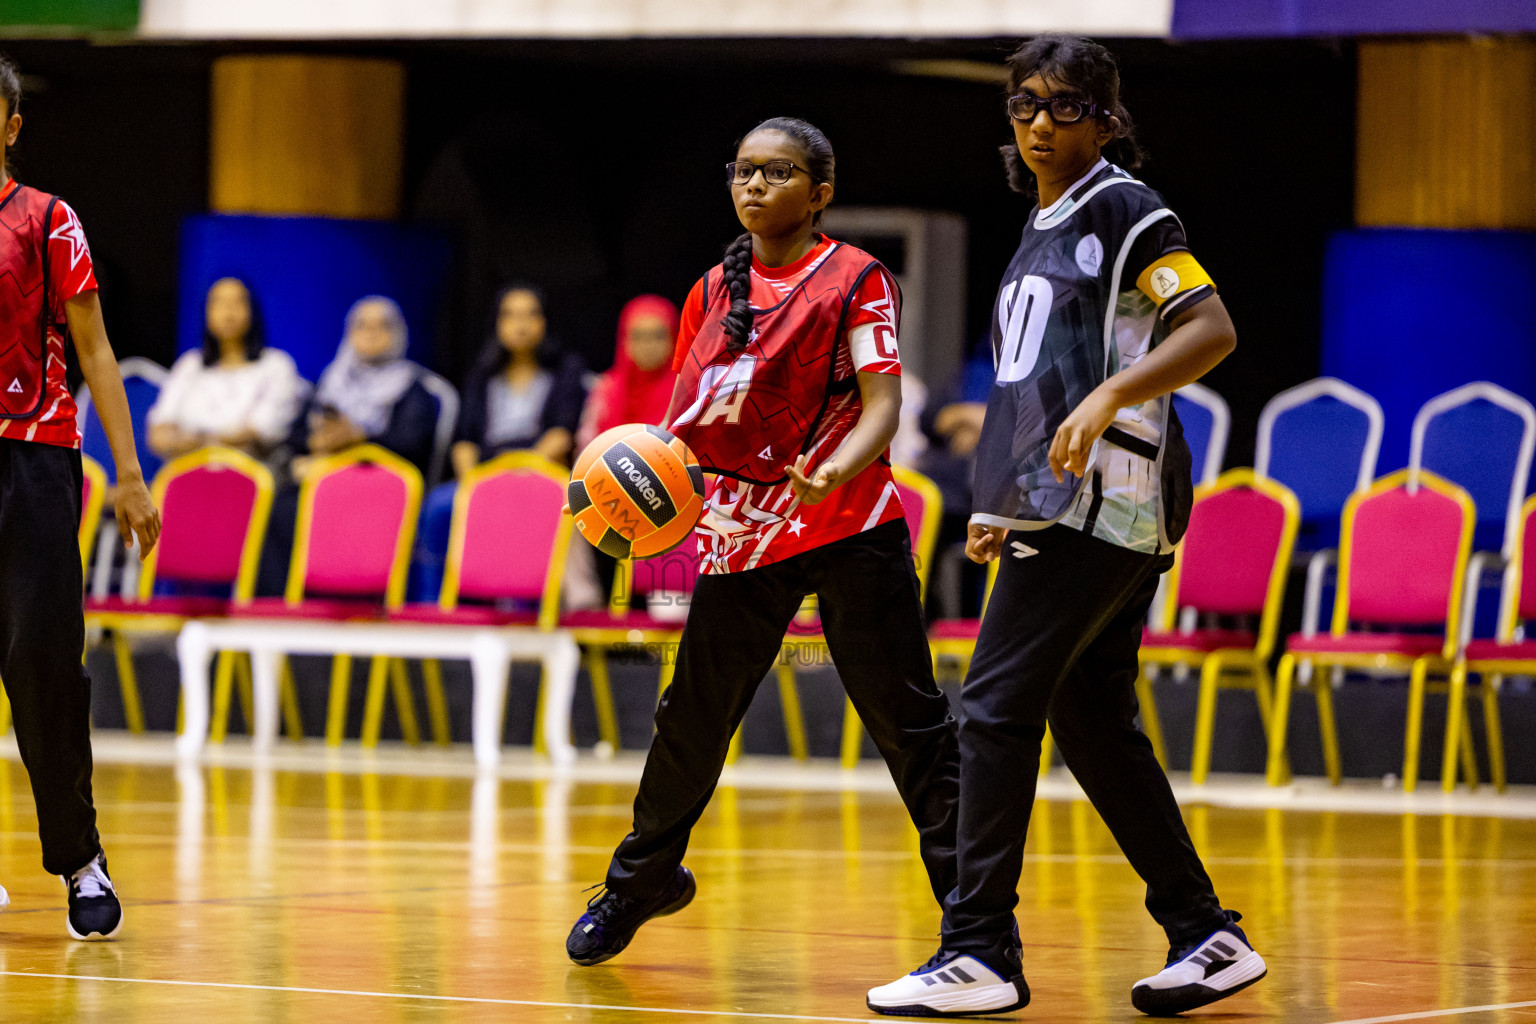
(611, 920)
(1220, 965)
(94, 910)
(954, 985)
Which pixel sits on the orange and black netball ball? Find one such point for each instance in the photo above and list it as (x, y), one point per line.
(636, 492)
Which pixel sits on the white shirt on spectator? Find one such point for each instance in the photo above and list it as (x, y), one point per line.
(263, 396)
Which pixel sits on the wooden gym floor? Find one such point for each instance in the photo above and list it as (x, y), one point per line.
(319, 886)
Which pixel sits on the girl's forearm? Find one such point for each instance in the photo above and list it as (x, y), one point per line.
(99, 367)
(874, 431)
(111, 402)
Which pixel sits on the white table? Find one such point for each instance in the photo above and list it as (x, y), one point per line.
(490, 652)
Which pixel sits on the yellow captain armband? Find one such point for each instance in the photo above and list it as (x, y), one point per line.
(1171, 275)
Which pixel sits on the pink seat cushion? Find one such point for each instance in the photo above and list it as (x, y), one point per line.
(510, 527)
(206, 514)
(1410, 644)
(1494, 650)
(182, 607)
(955, 629)
(358, 515)
(335, 609)
(676, 572)
(1200, 640)
(1403, 557)
(464, 615)
(1527, 596)
(596, 618)
(1229, 552)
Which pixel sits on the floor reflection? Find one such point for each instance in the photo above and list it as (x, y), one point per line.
(361, 887)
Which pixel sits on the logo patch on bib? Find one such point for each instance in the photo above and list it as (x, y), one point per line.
(1090, 255)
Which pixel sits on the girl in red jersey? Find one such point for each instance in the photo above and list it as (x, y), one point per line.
(788, 391)
(48, 293)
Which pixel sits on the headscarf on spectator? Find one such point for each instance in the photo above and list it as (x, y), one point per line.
(626, 393)
(366, 392)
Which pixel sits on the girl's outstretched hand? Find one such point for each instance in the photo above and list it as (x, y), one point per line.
(810, 490)
(984, 543)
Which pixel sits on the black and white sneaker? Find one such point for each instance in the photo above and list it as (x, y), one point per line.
(611, 920)
(952, 985)
(94, 911)
(1221, 965)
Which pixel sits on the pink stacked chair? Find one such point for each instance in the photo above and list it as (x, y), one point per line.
(506, 558)
(352, 541)
(1510, 653)
(507, 544)
(214, 504)
(1402, 569)
(666, 583)
(1232, 564)
(351, 552)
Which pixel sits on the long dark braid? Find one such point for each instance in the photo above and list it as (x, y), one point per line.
(737, 268)
(737, 264)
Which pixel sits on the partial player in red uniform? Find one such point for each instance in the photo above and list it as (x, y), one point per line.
(48, 293)
(788, 391)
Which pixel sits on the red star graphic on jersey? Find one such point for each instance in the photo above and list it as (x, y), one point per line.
(70, 231)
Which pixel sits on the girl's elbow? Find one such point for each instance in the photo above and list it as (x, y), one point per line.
(1222, 342)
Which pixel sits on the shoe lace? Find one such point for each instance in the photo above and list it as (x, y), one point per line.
(91, 881)
(605, 905)
(938, 959)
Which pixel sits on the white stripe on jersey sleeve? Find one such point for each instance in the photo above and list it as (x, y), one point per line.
(873, 344)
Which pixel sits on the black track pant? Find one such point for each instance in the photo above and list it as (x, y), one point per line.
(1059, 643)
(873, 620)
(42, 634)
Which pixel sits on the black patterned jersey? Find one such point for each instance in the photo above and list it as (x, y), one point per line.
(1096, 278)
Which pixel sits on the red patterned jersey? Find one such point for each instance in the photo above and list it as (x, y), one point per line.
(754, 522)
(70, 273)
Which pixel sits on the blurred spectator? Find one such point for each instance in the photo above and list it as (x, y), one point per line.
(952, 423)
(235, 391)
(370, 393)
(909, 444)
(639, 386)
(525, 392)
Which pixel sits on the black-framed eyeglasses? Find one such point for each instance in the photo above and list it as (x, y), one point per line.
(775, 172)
(1064, 109)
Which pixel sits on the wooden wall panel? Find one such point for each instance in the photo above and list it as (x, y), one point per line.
(318, 136)
(1445, 134)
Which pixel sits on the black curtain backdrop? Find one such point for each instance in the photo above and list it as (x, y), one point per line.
(121, 132)
(594, 167)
